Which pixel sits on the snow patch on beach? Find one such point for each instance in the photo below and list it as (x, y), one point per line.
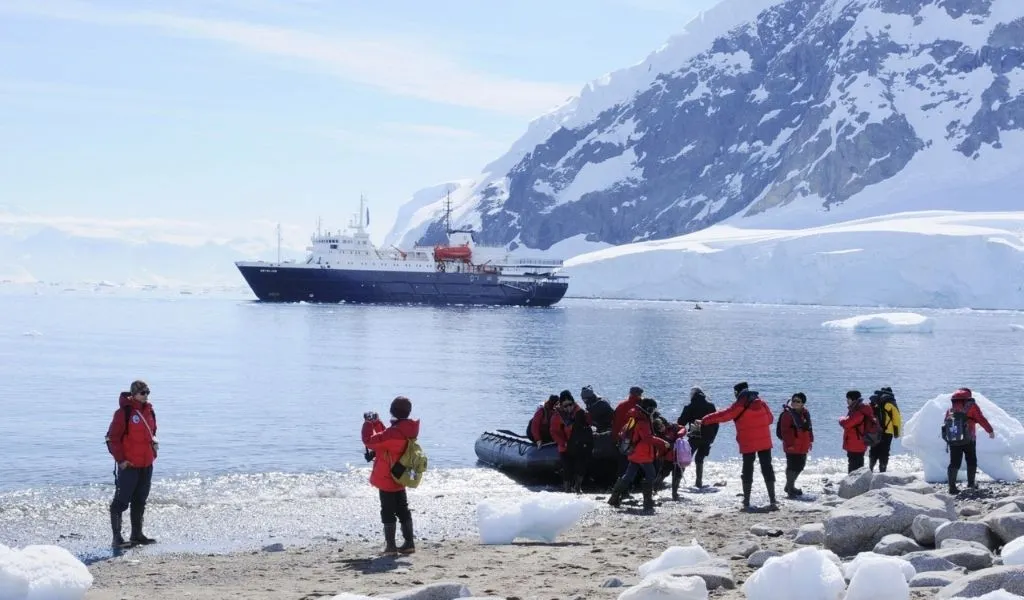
(808, 573)
(541, 517)
(902, 322)
(921, 436)
(42, 573)
(874, 576)
(675, 557)
(662, 586)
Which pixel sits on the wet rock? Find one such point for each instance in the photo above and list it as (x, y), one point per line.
(896, 544)
(279, 547)
(970, 531)
(612, 582)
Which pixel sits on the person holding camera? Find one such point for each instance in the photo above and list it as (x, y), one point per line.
(131, 440)
(384, 446)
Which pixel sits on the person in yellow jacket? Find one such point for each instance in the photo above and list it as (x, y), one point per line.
(888, 414)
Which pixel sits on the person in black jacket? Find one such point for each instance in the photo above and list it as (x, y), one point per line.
(598, 408)
(700, 439)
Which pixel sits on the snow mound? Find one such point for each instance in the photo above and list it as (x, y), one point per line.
(1000, 595)
(1013, 553)
(541, 517)
(867, 560)
(42, 573)
(807, 573)
(674, 557)
(877, 578)
(904, 322)
(938, 259)
(662, 586)
(921, 436)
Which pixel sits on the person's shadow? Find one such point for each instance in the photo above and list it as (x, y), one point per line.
(375, 564)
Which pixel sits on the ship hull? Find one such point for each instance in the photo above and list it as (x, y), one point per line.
(293, 283)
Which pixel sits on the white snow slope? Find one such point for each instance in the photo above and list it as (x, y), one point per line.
(933, 259)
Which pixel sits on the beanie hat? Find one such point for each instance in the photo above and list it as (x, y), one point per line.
(587, 393)
(853, 395)
(800, 396)
(696, 392)
(739, 387)
(962, 394)
(139, 386)
(636, 391)
(566, 395)
(401, 407)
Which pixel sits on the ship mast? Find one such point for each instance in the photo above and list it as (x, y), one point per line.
(278, 243)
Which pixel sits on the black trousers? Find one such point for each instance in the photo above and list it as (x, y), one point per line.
(394, 506)
(767, 470)
(880, 453)
(854, 461)
(133, 486)
(796, 463)
(573, 466)
(958, 453)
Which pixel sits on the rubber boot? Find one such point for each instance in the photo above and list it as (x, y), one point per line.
(616, 497)
(700, 475)
(772, 503)
(137, 537)
(871, 463)
(115, 524)
(883, 464)
(567, 485)
(677, 476)
(648, 491)
(951, 474)
(390, 549)
(746, 493)
(407, 547)
(790, 488)
(971, 474)
(578, 484)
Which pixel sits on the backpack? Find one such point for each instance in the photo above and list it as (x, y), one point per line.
(626, 444)
(872, 432)
(127, 410)
(581, 438)
(778, 423)
(409, 468)
(684, 456)
(955, 430)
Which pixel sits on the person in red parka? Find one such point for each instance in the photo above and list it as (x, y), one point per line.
(131, 440)
(670, 432)
(753, 434)
(797, 439)
(623, 411)
(388, 445)
(539, 430)
(962, 402)
(858, 416)
(569, 427)
(644, 448)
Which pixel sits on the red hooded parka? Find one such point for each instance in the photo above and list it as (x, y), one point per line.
(133, 441)
(389, 445)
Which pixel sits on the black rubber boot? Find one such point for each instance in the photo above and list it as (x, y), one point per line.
(772, 503)
(616, 497)
(883, 464)
(648, 491)
(951, 474)
(677, 477)
(578, 484)
(871, 463)
(115, 524)
(700, 475)
(972, 473)
(746, 493)
(567, 485)
(137, 537)
(390, 549)
(790, 488)
(407, 547)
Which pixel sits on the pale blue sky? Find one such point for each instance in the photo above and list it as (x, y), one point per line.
(230, 111)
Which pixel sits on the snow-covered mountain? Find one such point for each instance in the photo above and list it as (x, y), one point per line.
(765, 113)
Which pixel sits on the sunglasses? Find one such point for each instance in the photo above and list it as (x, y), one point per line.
(143, 393)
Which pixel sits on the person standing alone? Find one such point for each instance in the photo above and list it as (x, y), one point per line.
(388, 445)
(794, 429)
(959, 430)
(883, 402)
(131, 440)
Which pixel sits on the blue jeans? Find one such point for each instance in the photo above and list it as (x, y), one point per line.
(630, 475)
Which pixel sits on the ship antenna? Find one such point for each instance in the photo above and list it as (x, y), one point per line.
(448, 212)
(278, 243)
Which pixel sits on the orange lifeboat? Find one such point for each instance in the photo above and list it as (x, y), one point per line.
(462, 253)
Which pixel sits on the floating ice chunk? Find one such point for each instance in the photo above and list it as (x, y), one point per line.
(1013, 553)
(542, 516)
(42, 573)
(877, 578)
(884, 323)
(662, 586)
(869, 558)
(674, 557)
(921, 436)
(807, 574)
(32, 333)
(1016, 327)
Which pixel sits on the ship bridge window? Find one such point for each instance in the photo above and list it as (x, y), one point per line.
(334, 246)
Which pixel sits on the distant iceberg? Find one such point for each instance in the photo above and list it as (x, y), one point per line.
(885, 323)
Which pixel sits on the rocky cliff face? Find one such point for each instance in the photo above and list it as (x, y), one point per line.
(759, 106)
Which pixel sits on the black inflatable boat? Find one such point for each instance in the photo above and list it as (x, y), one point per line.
(516, 454)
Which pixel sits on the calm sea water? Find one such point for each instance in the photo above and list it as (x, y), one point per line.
(260, 405)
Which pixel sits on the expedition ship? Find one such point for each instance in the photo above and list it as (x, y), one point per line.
(347, 267)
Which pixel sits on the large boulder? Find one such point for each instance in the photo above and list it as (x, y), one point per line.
(969, 531)
(860, 523)
(896, 544)
(1007, 527)
(862, 480)
(924, 562)
(972, 559)
(1010, 579)
(935, 578)
(923, 529)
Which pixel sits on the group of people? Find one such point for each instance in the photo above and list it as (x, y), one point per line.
(648, 444)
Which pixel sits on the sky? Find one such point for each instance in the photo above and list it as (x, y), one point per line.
(218, 116)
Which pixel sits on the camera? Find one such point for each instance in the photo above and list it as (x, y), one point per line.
(370, 416)
(369, 455)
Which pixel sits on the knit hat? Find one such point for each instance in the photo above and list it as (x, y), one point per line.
(139, 386)
(566, 395)
(401, 407)
(636, 391)
(587, 393)
(853, 395)
(739, 387)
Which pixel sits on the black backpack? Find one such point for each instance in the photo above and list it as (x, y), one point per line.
(581, 437)
(778, 423)
(955, 430)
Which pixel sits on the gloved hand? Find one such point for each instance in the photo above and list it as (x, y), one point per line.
(369, 455)
(370, 416)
